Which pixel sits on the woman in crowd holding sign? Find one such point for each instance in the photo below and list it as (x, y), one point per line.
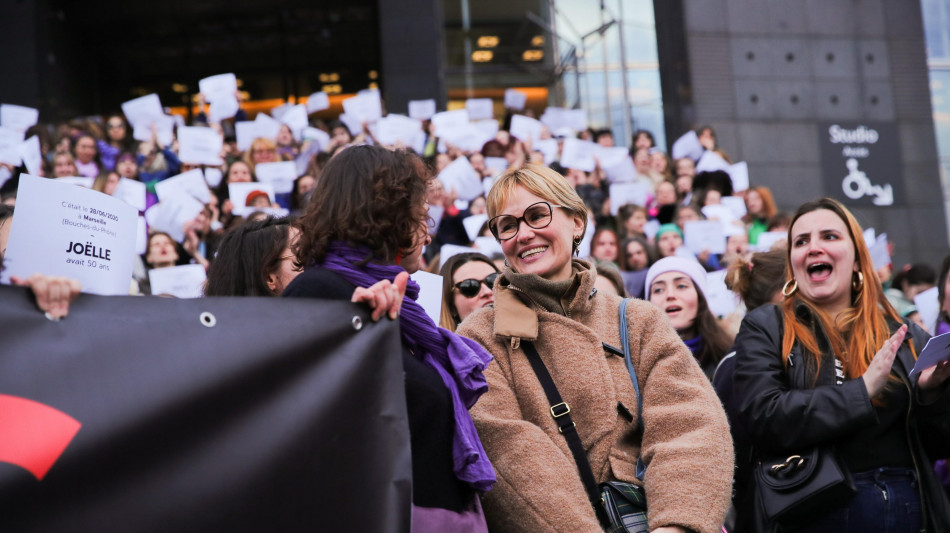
(824, 382)
(363, 231)
(546, 309)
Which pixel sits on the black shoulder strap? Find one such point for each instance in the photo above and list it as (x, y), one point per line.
(561, 412)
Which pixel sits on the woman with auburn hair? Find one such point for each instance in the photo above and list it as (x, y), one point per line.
(760, 208)
(360, 237)
(830, 369)
(546, 308)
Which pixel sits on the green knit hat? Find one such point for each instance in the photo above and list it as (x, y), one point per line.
(666, 228)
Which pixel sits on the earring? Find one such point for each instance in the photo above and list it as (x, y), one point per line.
(857, 282)
(577, 240)
(789, 288)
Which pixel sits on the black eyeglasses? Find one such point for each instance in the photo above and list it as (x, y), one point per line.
(471, 287)
(536, 216)
(114, 126)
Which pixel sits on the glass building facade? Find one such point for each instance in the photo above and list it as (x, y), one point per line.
(937, 33)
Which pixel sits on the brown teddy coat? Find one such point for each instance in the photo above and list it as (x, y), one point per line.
(686, 443)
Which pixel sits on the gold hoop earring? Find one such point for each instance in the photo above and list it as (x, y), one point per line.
(858, 283)
(789, 288)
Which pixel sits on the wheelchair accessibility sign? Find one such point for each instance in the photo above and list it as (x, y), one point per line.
(861, 163)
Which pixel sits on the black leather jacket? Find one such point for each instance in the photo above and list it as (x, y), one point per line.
(785, 409)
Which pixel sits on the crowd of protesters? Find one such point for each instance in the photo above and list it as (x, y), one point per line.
(401, 205)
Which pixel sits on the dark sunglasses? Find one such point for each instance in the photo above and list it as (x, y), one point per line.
(471, 287)
(116, 126)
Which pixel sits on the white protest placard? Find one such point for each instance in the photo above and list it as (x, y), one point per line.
(880, 255)
(183, 281)
(556, 118)
(526, 129)
(10, 140)
(318, 101)
(238, 192)
(650, 228)
(354, 126)
(622, 194)
(719, 213)
(767, 239)
(459, 176)
(937, 350)
(18, 117)
(739, 173)
(191, 183)
(277, 112)
(470, 137)
(928, 305)
(430, 293)
(268, 125)
(449, 250)
(710, 162)
(721, 300)
(318, 136)
(610, 157)
(78, 181)
(549, 148)
(479, 108)
(296, 119)
(473, 224)
(583, 249)
(421, 109)
(213, 176)
(435, 217)
(172, 214)
(488, 246)
(247, 131)
(497, 165)
(164, 126)
(199, 146)
(219, 86)
(687, 145)
(279, 175)
(141, 236)
(395, 128)
(622, 172)
(735, 204)
(515, 99)
(142, 109)
(223, 108)
(31, 154)
(364, 107)
(78, 233)
(869, 236)
(449, 120)
(131, 192)
(704, 235)
(578, 154)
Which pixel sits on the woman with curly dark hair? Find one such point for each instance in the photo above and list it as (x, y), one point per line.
(365, 227)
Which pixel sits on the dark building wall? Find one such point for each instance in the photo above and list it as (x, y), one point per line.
(412, 52)
(765, 74)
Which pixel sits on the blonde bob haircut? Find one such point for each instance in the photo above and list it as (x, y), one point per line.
(540, 181)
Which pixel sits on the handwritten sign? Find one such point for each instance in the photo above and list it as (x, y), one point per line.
(79, 233)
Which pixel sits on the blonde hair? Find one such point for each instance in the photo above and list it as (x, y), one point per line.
(540, 181)
(258, 144)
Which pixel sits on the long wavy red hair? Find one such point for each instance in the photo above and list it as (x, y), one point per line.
(859, 331)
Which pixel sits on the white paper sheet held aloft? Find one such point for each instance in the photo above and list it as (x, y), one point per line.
(164, 129)
(199, 146)
(10, 140)
(220, 86)
(479, 108)
(556, 118)
(77, 181)
(610, 157)
(623, 171)
(721, 300)
(260, 128)
(935, 351)
(473, 224)
(435, 213)
(488, 246)
(32, 155)
(142, 108)
(687, 146)
(18, 117)
(394, 128)
(421, 109)
(191, 183)
(928, 305)
(578, 154)
(430, 293)
(515, 99)
(280, 175)
(622, 194)
(61, 230)
(449, 120)
(448, 250)
(880, 255)
(213, 176)
(768, 238)
(318, 136)
(704, 235)
(131, 192)
(296, 119)
(549, 148)
(739, 173)
(172, 214)
(364, 107)
(183, 281)
(459, 176)
(318, 101)
(526, 129)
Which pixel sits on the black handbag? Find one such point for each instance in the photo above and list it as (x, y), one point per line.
(795, 488)
(620, 507)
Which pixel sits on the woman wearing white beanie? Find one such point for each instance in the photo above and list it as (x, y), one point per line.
(676, 285)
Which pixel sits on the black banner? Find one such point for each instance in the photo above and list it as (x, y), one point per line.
(861, 163)
(217, 414)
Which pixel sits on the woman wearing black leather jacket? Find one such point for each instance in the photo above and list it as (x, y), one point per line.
(831, 367)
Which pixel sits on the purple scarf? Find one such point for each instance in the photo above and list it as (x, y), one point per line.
(458, 360)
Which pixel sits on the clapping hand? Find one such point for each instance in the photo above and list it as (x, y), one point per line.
(875, 377)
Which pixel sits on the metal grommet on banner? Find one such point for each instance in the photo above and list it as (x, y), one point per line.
(357, 323)
(207, 319)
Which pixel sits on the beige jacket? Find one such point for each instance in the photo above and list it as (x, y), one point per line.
(686, 443)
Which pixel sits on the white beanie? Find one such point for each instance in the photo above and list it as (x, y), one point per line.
(690, 267)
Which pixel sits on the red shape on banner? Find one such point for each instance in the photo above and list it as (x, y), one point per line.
(33, 435)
